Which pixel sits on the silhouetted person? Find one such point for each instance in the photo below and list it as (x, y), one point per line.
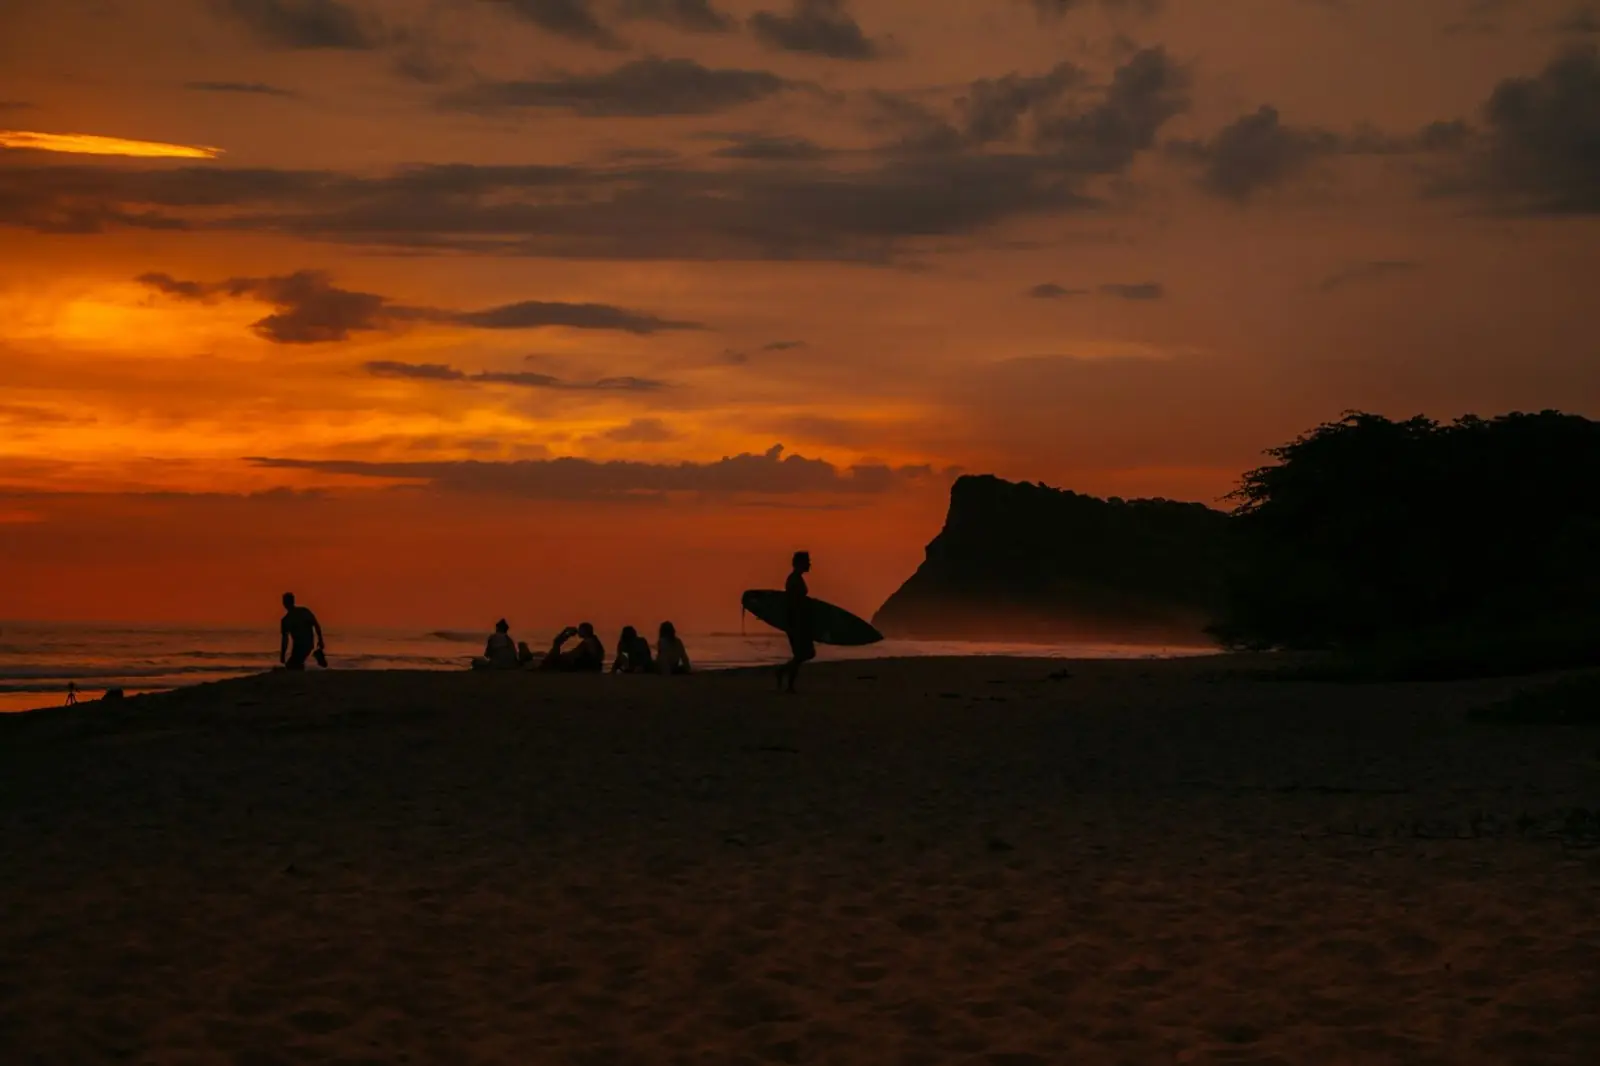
(72, 693)
(798, 609)
(500, 653)
(298, 628)
(671, 656)
(633, 653)
(524, 654)
(588, 657)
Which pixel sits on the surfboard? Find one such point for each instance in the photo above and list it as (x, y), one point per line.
(829, 624)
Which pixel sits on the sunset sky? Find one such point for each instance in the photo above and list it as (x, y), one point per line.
(437, 310)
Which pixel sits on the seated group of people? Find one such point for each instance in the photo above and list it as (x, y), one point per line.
(588, 655)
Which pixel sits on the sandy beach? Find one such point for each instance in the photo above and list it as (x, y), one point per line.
(938, 861)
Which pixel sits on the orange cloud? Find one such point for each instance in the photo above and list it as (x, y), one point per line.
(91, 144)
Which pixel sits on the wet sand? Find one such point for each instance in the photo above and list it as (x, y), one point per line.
(954, 861)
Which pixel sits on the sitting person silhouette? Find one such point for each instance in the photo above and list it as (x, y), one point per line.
(500, 653)
(524, 654)
(633, 653)
(588, 657)
(671, 656)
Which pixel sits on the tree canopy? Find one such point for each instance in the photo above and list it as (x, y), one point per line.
(1366, 528)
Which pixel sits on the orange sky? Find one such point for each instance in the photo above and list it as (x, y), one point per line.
(490, 306)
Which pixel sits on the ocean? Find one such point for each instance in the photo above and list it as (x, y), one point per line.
(38, 659)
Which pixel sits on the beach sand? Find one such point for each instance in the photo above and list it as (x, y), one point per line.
(910, 862)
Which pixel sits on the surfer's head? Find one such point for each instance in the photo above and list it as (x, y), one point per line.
(802, 561)
(585, 630)
(668, 631)
(288, 599)
(502, 626)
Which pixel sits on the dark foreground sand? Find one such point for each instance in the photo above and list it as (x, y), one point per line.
(919, 862)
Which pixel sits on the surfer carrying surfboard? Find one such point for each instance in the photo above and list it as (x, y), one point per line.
(801, 639)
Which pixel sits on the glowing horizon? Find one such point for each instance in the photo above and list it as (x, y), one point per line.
(96, 144)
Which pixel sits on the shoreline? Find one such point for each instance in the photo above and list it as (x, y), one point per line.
(13, 701)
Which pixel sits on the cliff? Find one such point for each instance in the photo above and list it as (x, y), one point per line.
(1020, 561)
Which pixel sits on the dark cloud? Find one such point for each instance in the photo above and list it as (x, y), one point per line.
(384, 368)
(1541, 152)
(782, 346)
(527, 379)
(304, 24)
(246, 88)
(818, 27)
(765, 147)
(533, 314)
(312, 310)
(697, 16)
(1373, 270)
(642, 431)
(777, 212)
(771, 473)
(644, 87)
(1146, 92)
(573, 19)
(1258, 151)
(15, 105)
(994, 107)
(1143, 290)
(1072, 132)
(1049, 290)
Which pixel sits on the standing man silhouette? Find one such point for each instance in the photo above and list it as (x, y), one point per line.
(797, 606)
(299, 624)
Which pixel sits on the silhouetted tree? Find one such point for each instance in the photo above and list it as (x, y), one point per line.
(1367, 529)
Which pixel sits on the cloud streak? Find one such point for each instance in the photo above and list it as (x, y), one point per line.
(384, 368)
(640, 89)
(312, 310)
(770, 473)
(1049, 290)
